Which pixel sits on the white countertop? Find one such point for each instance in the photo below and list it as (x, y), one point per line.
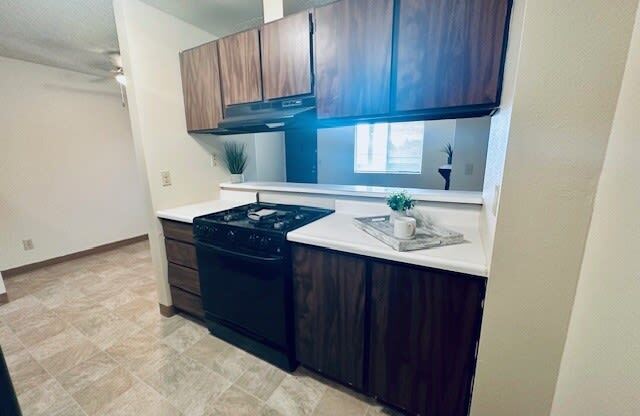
(337, 232)
(187, 213)
(433, 195)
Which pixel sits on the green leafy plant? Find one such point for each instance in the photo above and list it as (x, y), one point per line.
(235, 157)
(448, 150)
(400, 201)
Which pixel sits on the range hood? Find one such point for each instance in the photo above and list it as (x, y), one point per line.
(268, 116)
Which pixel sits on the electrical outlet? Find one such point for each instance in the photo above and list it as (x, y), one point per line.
(27, 244)
(214, 159)
(166, 178)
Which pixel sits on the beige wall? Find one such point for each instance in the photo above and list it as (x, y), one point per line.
(566, 85)
(69, 180)
(600, 371)
(150, 41)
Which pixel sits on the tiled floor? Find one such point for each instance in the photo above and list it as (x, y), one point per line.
(86, 338)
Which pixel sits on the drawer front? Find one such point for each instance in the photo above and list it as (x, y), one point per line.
(178, 231)
(187, 302)
(181, 253)
(184, 278)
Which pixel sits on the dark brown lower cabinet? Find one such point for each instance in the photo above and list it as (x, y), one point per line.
(424, 328)
(329, 308)
(403, 334)
(182, 267)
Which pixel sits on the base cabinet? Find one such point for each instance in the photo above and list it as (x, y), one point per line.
(403, 334)
(424, 328)
(329, 296)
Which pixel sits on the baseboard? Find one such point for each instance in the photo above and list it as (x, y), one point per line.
(167, 311)
(4, 298)
(49, 262)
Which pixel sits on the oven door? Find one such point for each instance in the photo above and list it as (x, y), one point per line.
(245, 292)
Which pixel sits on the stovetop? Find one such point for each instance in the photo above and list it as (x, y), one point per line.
(234, 227)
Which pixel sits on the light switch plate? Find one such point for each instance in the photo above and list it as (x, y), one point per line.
(166, 178)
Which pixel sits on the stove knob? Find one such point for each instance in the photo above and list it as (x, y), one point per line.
(253, 240)
(231, 235)
(264, 243)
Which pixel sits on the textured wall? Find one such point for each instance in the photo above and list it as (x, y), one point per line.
(572, 58)
(600, 372)
(69, 180)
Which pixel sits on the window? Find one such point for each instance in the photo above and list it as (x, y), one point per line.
(389, 148)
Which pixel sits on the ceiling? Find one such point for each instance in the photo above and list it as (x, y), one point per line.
(79, 34)
(69, 34)
(223, 17)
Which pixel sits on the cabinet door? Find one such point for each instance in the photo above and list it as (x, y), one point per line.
(424, 329)
(201, 87)
(286, 56)
(353, 58)
(449, 52)
(240, 67)
(329, 292)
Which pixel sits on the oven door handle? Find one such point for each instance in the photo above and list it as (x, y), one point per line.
(245, 256)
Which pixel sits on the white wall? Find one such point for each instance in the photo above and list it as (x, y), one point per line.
(470, 153)
(69, 180)
(150, 41)
(572, 58)
(600, 371)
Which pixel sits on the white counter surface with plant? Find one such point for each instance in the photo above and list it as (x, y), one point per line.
(338, 232)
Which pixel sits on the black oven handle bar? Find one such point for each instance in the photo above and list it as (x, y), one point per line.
(245, 256)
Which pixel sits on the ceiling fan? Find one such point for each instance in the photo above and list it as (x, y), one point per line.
(116, 73)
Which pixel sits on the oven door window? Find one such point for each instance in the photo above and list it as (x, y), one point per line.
(245, 291)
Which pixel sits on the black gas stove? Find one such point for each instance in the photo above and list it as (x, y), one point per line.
(245, 276)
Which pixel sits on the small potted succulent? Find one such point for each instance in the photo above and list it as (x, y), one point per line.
(400, 204)
(235, 158)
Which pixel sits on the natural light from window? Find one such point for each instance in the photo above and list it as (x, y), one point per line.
(389, 148)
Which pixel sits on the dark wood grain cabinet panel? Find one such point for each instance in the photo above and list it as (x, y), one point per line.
(201, 87)
(240, 67)
(424, 329)
(181, 253)
(178, 231)
(187, 302)
(449, 53)
(286, 56)
(184, 278)
(329, 308)
(353, 58)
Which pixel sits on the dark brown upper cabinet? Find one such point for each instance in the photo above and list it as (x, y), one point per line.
(449, 53)
(329, 313)
(286, 56)
(201, 87)
(240, 67)
(353, 58)
(425, 325)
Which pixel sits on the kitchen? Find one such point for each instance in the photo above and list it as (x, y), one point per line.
(336, 193)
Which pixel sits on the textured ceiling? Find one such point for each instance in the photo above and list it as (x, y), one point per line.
(223, 17)
(79, 34)
(70, 34)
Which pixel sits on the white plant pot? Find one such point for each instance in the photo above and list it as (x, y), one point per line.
(396, 214)
(237, 177)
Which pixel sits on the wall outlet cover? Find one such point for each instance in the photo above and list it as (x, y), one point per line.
(166, 178)
(27, 244)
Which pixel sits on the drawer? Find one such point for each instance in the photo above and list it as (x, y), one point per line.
(187, 302)
(181, 253)
(178, 231)
(184, 278)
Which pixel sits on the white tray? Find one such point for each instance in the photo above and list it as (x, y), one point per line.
(428, 235)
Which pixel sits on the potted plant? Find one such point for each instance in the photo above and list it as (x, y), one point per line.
(400, 203)
(448, 150)
(235, 158)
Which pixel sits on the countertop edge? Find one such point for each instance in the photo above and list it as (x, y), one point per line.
(457, 197)
(434, 263)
